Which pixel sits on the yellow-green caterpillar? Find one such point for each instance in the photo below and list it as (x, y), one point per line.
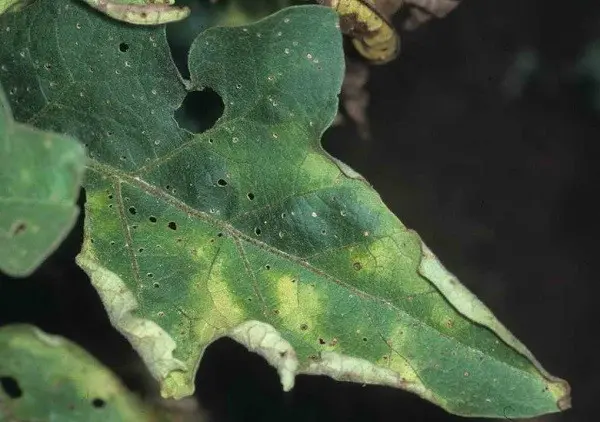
(372, 34)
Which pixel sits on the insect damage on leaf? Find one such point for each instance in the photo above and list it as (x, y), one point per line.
(372, 35)
(44, 377)
(249, 229)
(141, 12)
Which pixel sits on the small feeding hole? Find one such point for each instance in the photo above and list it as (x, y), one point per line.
(357, 266)
(222, 182)
(250, 196)
(123, 47)
(152, 219)
(11, 387)
(149, 275)
(132, 210)
(321, 341)
(304, 327)
(172, 225)
(267, 267)
(257, 231)
(156, 285)
(187, 115)
(98, 403)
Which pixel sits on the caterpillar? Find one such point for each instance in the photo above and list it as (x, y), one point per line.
(372, 34)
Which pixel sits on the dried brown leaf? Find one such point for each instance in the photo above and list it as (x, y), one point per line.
(355, 96)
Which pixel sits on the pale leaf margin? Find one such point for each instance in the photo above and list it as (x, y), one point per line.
(474, 309)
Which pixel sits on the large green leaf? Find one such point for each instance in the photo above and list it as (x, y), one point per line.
(250, 229)
(40, 178)
(48, 378)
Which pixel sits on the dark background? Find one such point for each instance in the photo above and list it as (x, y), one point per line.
(485, 140)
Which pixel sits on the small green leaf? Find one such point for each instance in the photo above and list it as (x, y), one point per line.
(250, 230)
(141, 12)
(48, 378)
(40, 178)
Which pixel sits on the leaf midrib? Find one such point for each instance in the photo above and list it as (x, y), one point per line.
(120, 177)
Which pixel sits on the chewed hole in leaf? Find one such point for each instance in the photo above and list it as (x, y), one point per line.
(199, 111)
(222, 182)
(152, 219)
(123, 47)
(257, 231)
(172, 225)
(98, 403)
(250, 196)
(11, 387)
(132, 211)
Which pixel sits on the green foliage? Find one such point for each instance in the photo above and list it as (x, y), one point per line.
(40, 177)
(250, 229)
(47, 378)
(10, 5)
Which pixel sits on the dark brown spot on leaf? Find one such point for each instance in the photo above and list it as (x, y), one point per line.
(18, 228)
